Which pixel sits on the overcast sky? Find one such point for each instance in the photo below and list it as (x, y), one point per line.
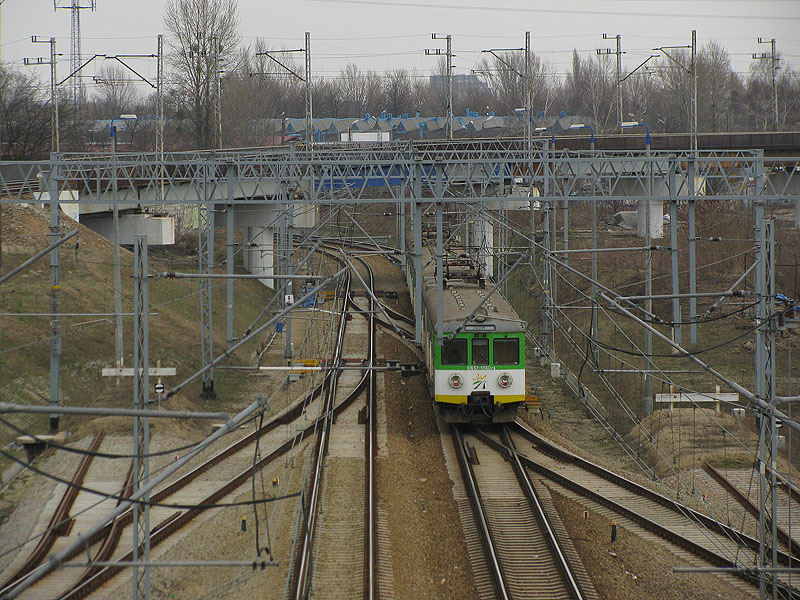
(383, 35)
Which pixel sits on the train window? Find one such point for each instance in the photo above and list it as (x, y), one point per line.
(506, 351)
(454, 352)
(480, 351)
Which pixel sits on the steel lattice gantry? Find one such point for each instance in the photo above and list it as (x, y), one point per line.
(421, 177)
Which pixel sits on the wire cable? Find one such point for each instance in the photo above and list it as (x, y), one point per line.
(81, 452)
(120, 498)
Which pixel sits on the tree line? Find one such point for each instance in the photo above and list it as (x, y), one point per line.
(259, 86)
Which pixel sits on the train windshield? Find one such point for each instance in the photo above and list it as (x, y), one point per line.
(506, 351)
(480, 351)
(454, 352)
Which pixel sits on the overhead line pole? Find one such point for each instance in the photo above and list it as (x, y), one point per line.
(306, 80)
(309, 99)
(692, 72)
(218, 89)
(449, 54)
(691, 179)
(55, 296)
(694, 99)
(54, 136)
(160, 109)
(773, 67)
(141, 424)
(619, 53)
(529, 146)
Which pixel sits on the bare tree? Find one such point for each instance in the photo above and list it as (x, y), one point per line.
(203, 32)
(506, 76)
(714, 87)
(590, 90)
(116, 93)
(328, 98)
(254, 97)
(640, 99)
(361, 91)
(675, 101)
(436, 90)
(24, 116)
(788, 99)
(400, 92)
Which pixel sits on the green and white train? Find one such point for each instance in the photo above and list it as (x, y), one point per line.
(477, 373)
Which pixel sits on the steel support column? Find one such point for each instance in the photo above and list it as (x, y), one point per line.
(439, 260)
(205, 253)
(118, 344)
(417, 227)
(402, 241)
(763, 419)
(648, 291)
(546, 299)
(673, 246)
(593, 325)
(141, 424)
(692, 251)
(769, 263)
(229, 230)
(288, 251)
(54, 231)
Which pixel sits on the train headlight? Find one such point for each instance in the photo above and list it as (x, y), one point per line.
(455, 381)
(505, 380)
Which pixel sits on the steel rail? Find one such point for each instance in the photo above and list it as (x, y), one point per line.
(555, 451)
(791, 488)
(303, 561)
(159, 497)
(109, 544)
(570, 581)
(109, 535)
(178, 520)
(679, 540)
(479, 512)
(60, 522)
(695, 548)
(371, 453)
(750, 507)
(507, 449)
(302, 579)
(125, 518)
(370, 442)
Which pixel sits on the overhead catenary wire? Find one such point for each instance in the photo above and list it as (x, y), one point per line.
(619, 399)
(636, 420)
(82, 452)
(122, 498)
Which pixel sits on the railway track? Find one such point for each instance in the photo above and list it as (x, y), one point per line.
(695, 534)
(104, 546)
(60, 522)
(753, 510)
(339, 537)
(524, 557)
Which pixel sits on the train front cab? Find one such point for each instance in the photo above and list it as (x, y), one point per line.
(480, 377)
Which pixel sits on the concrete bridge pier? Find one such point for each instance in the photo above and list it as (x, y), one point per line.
(479, 237)
(788, 183)
(638, 189)
(260, 226)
